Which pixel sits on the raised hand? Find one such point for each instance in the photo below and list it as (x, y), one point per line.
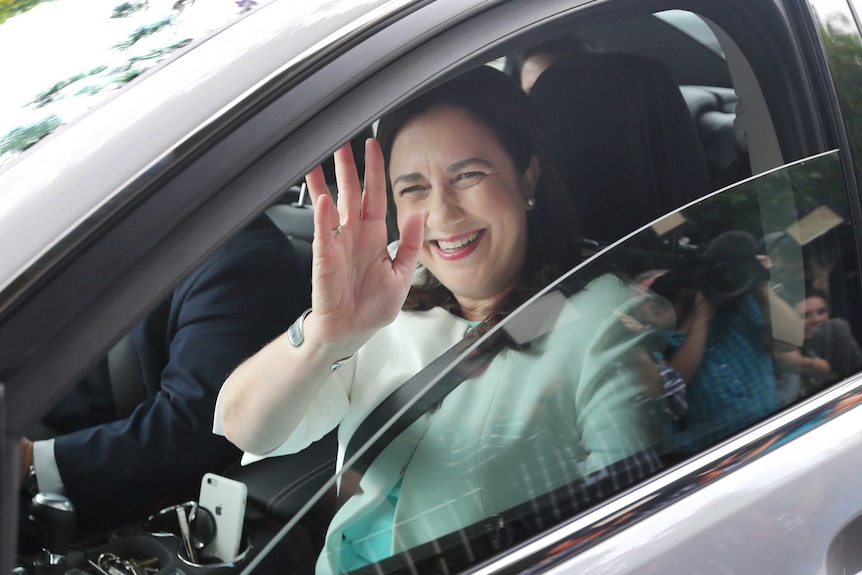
(703, 309)
(356, 287)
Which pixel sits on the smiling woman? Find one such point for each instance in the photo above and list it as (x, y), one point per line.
(494, 189)
(480, 211)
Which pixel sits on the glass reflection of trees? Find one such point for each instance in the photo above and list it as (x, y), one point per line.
(843, 47)
(158, 29)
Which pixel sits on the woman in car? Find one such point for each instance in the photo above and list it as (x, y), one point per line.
(479, 206)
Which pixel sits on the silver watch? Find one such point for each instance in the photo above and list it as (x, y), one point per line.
(295, 335)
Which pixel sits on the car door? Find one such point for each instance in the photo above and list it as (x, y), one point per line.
(769, 495)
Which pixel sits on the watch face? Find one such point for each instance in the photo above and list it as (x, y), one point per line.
(295, 335)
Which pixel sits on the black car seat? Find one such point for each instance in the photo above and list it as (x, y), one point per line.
(716, 113)
(623, 138)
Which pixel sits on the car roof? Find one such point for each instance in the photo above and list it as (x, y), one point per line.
(148, 122)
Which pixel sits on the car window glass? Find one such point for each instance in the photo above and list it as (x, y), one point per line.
(843, 46)
(585, 391)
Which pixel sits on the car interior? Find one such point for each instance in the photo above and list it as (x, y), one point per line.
(662, 112)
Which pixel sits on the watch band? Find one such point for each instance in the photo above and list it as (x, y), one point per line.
(296, 337)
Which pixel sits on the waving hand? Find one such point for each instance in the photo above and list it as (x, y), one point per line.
(356, 287)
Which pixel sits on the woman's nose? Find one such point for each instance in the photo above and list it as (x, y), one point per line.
(443, 209)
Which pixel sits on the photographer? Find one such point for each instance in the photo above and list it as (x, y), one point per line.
(721, 344)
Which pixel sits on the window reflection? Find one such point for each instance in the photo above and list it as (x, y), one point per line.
(686, 333)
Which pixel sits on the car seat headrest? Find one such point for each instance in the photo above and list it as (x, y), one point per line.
(623, 138)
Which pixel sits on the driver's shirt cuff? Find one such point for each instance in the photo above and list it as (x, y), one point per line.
(47, 472)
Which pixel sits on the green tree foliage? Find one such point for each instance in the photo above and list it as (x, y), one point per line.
(94, 80)
(53, 92)
(126, 9)
(150, 29)
(9, 8)
(844, 51)
(23, 137)
(145, 31)
(103, 77)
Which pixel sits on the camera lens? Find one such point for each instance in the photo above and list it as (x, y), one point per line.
(727, 280)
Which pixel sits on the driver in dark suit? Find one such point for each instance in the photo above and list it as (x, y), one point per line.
(239, 299)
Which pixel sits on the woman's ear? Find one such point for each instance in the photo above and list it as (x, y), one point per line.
(531, 177)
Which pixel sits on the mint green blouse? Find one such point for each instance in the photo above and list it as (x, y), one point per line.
(371, 538)
(532, 421)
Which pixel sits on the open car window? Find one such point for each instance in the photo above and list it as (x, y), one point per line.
(584, 392)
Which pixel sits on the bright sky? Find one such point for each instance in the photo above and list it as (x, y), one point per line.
(61, 38)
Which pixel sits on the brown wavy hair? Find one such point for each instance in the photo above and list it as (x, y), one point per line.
(553, 239)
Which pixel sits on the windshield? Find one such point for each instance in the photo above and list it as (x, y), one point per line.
(66, 56)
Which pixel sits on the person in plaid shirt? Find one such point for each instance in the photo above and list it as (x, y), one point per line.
(720, 347)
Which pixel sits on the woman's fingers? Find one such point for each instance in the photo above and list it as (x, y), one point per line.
(349, 189)
(317, 189)
(324, 216)
(411, 237)
(354, 203)
(374, 197)
(316, 183)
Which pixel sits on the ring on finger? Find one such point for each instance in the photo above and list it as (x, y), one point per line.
(337, 230)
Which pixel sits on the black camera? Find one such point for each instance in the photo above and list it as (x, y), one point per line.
(727, 269)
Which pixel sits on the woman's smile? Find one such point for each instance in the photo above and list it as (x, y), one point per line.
(458, 247)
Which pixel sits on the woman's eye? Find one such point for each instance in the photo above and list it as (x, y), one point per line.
(469, 177)
(411, 189)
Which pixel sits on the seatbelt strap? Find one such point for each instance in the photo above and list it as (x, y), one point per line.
(529, 323)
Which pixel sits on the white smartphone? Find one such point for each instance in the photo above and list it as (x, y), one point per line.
(225, 499)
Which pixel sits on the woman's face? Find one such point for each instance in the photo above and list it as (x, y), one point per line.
(814, 311)
(451, 168)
